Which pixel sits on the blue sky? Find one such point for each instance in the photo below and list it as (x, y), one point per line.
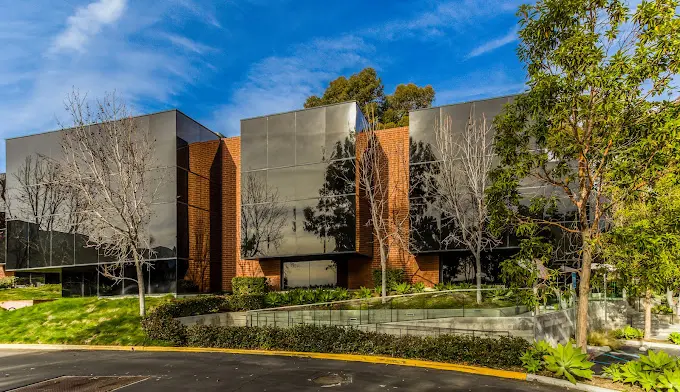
(220, 61)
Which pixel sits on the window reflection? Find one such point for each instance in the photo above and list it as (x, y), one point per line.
(317, 273)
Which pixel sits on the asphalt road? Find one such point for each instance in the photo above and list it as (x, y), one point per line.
(225, 372)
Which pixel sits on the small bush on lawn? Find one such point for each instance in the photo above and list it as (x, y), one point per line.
(310, 338)
(244, 285)
(394, 277)
(629, 333)
(7, 282)
(674, 337)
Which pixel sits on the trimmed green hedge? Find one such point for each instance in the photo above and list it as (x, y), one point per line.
(160, 323)
(503, 352)
(244, 285)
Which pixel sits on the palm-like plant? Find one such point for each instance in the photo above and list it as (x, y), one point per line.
(569, 362)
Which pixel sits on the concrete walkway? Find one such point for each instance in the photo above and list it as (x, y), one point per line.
(227, 372)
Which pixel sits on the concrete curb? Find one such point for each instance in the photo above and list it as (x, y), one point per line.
(640, 343)
(337, 357)
(566, 384)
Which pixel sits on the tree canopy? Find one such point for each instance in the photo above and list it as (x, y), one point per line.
(368, 90)
(596, 118)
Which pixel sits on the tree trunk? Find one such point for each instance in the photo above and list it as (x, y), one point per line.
(383, 265)
(140, 286)
(478, 272)
(670, 300)
(648, 313)
(584, 292)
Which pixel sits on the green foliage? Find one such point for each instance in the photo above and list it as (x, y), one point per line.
(629, 333)
(363, 293)
(418, 287)
(532, 359)
(310, 338)
(394, 277)
(46, 291)
(401, 288)
(300, 296)
(440, 286)
(662, 309)
(656, 371)
(596, 127)
(674, 337)
(367, 89)
(7, 282)
(602, 338)
(243, 285)
(568, 362)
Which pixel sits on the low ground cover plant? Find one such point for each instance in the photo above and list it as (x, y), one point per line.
(564, 361)
(656, 371)
(629, 333)
(245, 285)
(674, 337)
(7, 282)
(604, 338)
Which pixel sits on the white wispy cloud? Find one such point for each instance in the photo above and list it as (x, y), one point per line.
(282, 83)
(121, 54)
(87, 22)
(494, 44)
(445, 16)
(198, 10)
(188, 44)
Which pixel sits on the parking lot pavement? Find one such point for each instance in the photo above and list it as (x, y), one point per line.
(168, 371)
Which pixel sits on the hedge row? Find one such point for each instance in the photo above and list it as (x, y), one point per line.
(501, 352)
(160, 324)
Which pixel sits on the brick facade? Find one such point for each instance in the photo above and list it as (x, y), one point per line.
(4, 273)
(395, 145)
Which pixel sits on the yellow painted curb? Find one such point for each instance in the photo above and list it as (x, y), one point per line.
(336, 357)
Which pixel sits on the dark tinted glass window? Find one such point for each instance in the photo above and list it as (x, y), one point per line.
(425, 226)
(39, 246)
(318, 273)
(188, 131)
(163, 132)
(185, 282)
(109, 287)
(423, 144)
(281, 183)
(340, 178)
(340, 123)
(254, 144)
(281, 140)
(340, 222)
(182, 230)
(63, 247)
(17, 244)
(311, 232)
(182, 185)
(254, 188)
(310, 136)
(163, 230)
(84, 254)
(163, 277)
(308, 180)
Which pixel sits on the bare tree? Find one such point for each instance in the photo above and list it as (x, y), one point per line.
(108, 159)
(388, 219)
(466, 160)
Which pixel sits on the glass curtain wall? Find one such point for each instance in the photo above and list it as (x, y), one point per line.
(47, 227)
(298, 192)
(431, 230)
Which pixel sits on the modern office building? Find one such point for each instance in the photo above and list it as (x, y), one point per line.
(281, 200)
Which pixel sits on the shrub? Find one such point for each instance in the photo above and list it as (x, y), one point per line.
(418, 287)
(657, 371)
(243, 285)
(402, 288)
(662, 309)
(532, 359)
(629, 333)
(674, 337)
(568, 362)
(7, 282)
(363, 293)
(602, 338)
(238, 303)
(394, 276)
(310, 338)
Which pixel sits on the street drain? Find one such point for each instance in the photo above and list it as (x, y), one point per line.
(332, 380)
(82, 384)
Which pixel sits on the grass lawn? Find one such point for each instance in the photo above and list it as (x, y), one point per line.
(47, 291)
(78, 321)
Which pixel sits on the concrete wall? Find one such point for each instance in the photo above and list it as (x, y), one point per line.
(231, 319)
